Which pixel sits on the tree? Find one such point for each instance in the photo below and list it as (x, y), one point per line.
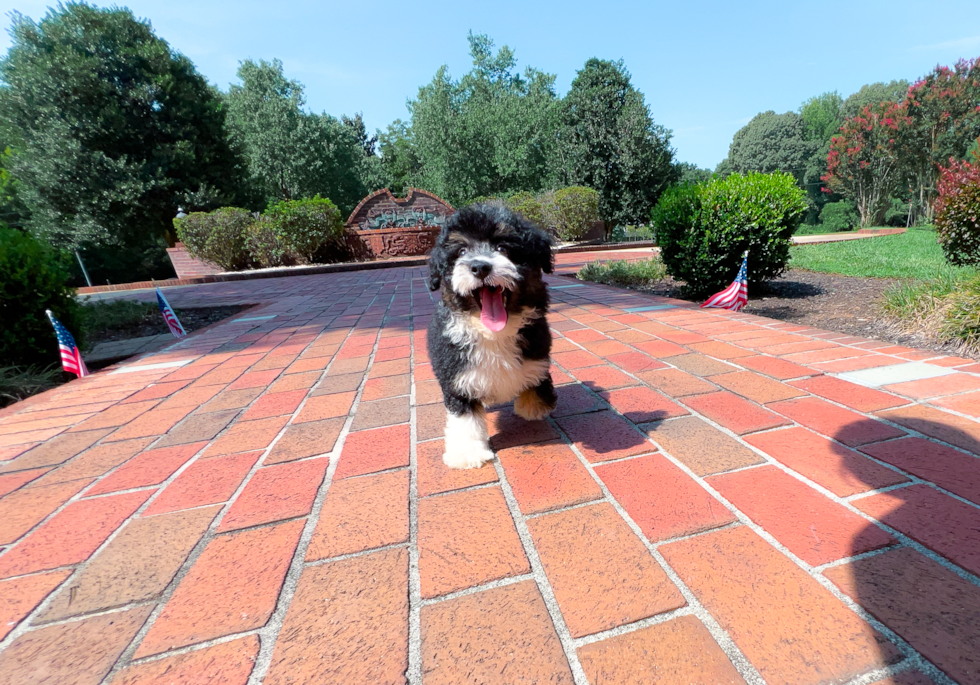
(292, 154)
(488, 133)
(608, 141)
(944, 107)
(772, 142)
(874, 94)
(399, 157)
(111, 127)
(372, 173)
(822, 118)
(692, 173)
(866, 157)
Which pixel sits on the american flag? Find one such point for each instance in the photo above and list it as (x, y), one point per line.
(736, 295)
(71, 358)
(173, 323)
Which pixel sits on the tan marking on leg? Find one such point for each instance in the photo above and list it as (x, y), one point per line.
(530, 406)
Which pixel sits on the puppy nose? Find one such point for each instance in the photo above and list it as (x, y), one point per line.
(481, 269)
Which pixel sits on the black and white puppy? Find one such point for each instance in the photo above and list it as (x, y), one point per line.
(488, 339)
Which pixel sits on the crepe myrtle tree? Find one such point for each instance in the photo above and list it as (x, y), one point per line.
(866, 158)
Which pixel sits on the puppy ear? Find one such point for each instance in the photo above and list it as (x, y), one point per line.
(438, 262)
(538, 246)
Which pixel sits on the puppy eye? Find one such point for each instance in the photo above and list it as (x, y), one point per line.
(502, 248)
(462, 251)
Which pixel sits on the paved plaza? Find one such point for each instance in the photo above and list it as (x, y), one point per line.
(718, 498)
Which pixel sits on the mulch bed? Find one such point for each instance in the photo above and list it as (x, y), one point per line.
(153, 324)
(845, 304)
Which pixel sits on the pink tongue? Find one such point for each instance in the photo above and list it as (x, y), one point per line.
(492, 314)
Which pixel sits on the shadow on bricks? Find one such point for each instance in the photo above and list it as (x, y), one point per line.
(926, 599)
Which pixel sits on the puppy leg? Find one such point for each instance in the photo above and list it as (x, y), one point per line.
(536, 403)
(466, 436)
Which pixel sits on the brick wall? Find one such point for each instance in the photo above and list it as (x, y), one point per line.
(187, 266)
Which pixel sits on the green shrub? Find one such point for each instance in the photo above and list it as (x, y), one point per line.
(267, 246)
(958, 213)
(105, 315)
(303, 227)
(529, 206)
(703, 230)
(944, 310)
(840, 216)
(576, 209)
(33, 278)
(220, 237)
(624, 274)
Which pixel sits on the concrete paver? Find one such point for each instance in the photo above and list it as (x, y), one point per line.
(713, 501)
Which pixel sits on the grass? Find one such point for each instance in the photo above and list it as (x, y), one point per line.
(914, 254)
(624, 274)
(17, 383)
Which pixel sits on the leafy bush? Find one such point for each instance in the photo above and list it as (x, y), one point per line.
(266, 245)
(944, 310)
(840, 216)
(703, 230)
(958, 213)
(576, 209)
(624, 274)
(220, 236)
(34, 278)
(302, 227)
(529, 206)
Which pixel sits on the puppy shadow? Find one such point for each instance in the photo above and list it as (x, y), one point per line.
(898, 585)
(587, 419)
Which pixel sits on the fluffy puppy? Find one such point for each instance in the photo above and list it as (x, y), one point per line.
(488, 339)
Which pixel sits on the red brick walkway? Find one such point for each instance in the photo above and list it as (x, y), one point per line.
(712, 502)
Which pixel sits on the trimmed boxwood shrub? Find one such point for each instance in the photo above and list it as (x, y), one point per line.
(703, 230)
(220, 237)
(958, 213)
(303, 227)
(530, 206)
(840, 216)
(34, 278)
(576, 209)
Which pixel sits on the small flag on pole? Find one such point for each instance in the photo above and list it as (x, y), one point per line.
(71, 358)
(735, 296)
(173, 323)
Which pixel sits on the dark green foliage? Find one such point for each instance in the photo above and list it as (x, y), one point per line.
(290, 153)
(220, 236)
(691, 173)
(724, 168)
(35, 278)
(114, 314)
(111, 128)
(703, 230)
(840, 216)
(874, 94)
(608, 141)
(399, 158)
(124, 263)
(772, 142)
(304, 227)
(531, 207)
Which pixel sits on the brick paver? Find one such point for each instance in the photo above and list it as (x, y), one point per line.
(711, 502)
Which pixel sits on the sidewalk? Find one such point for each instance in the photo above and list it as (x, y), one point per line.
(719, 498)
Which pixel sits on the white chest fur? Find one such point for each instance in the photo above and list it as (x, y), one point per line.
(495, 371)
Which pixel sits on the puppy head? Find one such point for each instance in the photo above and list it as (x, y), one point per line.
(490, 259)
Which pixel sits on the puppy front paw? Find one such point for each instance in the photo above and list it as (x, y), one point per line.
(466, 456)
(531, 406)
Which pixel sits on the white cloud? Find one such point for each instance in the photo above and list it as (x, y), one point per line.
(958, 44)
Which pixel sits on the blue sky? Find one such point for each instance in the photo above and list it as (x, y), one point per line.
(705, 67)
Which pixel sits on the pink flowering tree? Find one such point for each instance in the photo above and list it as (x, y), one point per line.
(944, 107)
(866, 159)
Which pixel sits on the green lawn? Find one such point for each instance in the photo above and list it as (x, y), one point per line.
(913, 255)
